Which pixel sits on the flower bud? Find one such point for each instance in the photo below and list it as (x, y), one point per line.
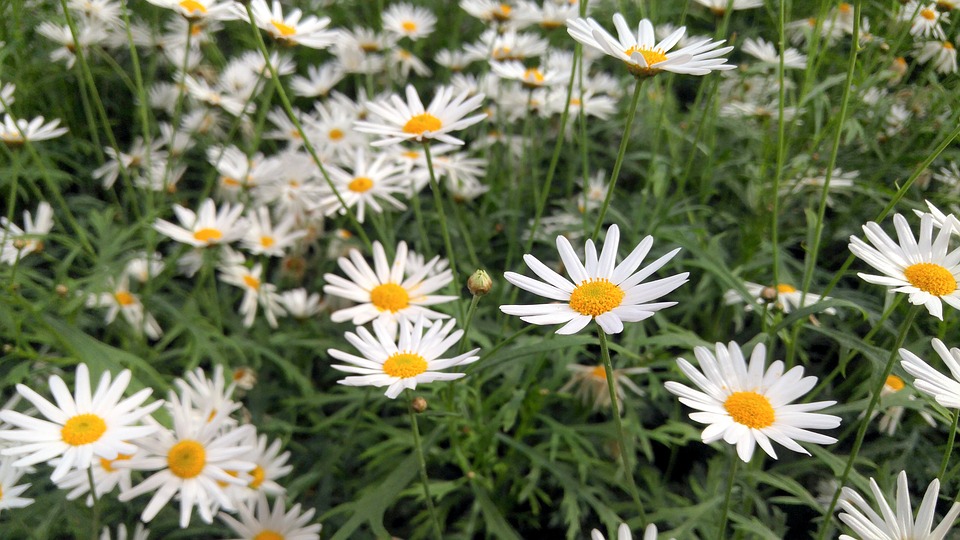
(419, 404)
(479, 283)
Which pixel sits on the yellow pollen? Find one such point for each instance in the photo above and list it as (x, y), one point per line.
(192, 6)
(83, 429)
(267, 241)
(947, 45)
(232, 182)
(208, 235)
(894, 383)
(360, 184)
(928, 14)
(285, 29)
(259, 475)
(124, 298)
(107, 464)
(404, 365)
(422, 122)
(575, 102)
(409, 26)
(269, 535)
(251, 282)
(1, 493)
(335, 134)
(186, 459)
(650, 56)
(599, 373)
(389, 297)
(595, 297)
(501, 53)
(931, 278)
(502, 13)
(784, 288)
(750, 409)
(845, 8)
(533, 76)
(410, 154)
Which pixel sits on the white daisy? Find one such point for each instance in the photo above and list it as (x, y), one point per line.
(79, 427)
(783, 296)
(206, 227)
(924, 19)
(199, 9)
(410, 121)
(16, 133)
(530, 77)
(623, 533)
(746, 406)
(256, 292)
(383, 293)
(407, 20)
(371, 181)
(300, 304)
(943, 55)
(139, 533)
(402, 362)
(119, 300)
(495, 11)
(945, 390)
(15, 243)
(294, 29)
(319, 80)
(719, 7)
(9, 490)
(599, 291)
(214, 394)
(106, 477)
(895, 523)
(643, 55)
(258, 522)
(590, 384)
(767, 53)
(263, 238)
(921, 268)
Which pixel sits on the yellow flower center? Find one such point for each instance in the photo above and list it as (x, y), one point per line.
(650, 56)
(251, 282)
(231, 182)
(285, 29)
(947, 45)
(422, 122)
(107, 464)
(846, 8)
(192, 6)
(599, 373)
(501, 53)
(187, 458)
(575, 102)
(389, 297)
(267, 241)
(931, 278)
(928, 14)
(533, 76)
(410, 154)
(223, 484)
(335, 134)
(208, 235)
(269, 535)
(750, 409)
(595, 297)
(408, 26)
(501, 13)
(784, 288)
(894, 383)
(259, 475)
(83, 429)
(360, 184)
(124, 298)
(404, 365)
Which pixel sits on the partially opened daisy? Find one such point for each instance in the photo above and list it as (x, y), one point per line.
(895, 523)
(82, 426)
(746, 405)
(944, 389)
(402, 121)
(384, 292)
(402, 362)
(922, 268)
(259, 522)
(645, 56)
(598, 290)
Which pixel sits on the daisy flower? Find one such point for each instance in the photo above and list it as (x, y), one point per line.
(895, 523)
(719, 7)
(924, 19)
(9, 490)
(15, 243)
(119, 300)
(291, 30)
(599, 291)
(214, 392)
(494, 11)
(529, 77)
(383, 293)
(623, 533)
(783, 296)
(301, 305)
(256, 292)
(402, 362)
(263, 238)
(591, 386)
(945, 390)
(746, 405)
(406, 20)
(891, 417)
(410, 121)
(370, 182)
(262, 523)
(16, 133)
(196, 10)
(206, 227)
(106, 477)
(943, 55)
(193, 460)
(81, 426)
(319, 81)
(139, 533)
(767, 53)
(921, 268)
(643, 55)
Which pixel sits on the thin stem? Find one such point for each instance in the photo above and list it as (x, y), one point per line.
(862, 431)
(949, 450)
(631, 113)
(424, 479)
(447, 245)
(781, 148)
(465, 342)
(95, 522)
(615, 408)
(731, 480)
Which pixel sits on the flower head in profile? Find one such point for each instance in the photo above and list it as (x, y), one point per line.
(945, 390)
(82, 426)
(15, 242)
(747, 405)
(643, 55)
(16, 133)
(10, 490)
(921, 267)
(408, 120)
(599, 290)
(623, 533)
(258, 522)
(206, 227)
(412, 357)
(294, 29)
(895, 523)
(589, 384)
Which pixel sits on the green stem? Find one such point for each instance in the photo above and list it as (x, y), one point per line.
(448, 246)
(424, 479)
(731, 480)
(781, 148)
(615, 408)
(465, 342)
(631, 113)
(949, 450)
(861, 433)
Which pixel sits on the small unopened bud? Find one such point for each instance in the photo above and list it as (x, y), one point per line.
(61, 290)
(419, 404)
(479, 283)
(245, 377)
(471, 475)
(768, 294)
(19, 244)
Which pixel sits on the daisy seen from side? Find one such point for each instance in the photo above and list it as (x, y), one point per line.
(292, 29)
(10, 490)
(258, 522)
(409, 120)
(945, 390)
(898, 522)
(206, 227)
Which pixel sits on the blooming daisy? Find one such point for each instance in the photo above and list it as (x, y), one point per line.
(370, 182)
(599, 291)
(9, 490)
(767, 53)
(319, 80)
(891, 417)
(197, 10)
(895, 523)
(402, 362)
(643, 55)
(256, 292)
(310, 32)
(945, 390)
(300, 304)
(783, 296)
(263, 238)
(623, 533)
(747, 406)
(258, 522)
(383, 293)
(530, 77)
(925, 21)
(195, 459)
(79, 427)
(488, 10)
(119, 300)
(410, 121)
(407, 20)
(943, 54)
(719, 7)
(592, 388)
(106, 477)
(206, 227)
(16, 133)
(15, 243)
(214, 393)
(139, 533)
(921, 268)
